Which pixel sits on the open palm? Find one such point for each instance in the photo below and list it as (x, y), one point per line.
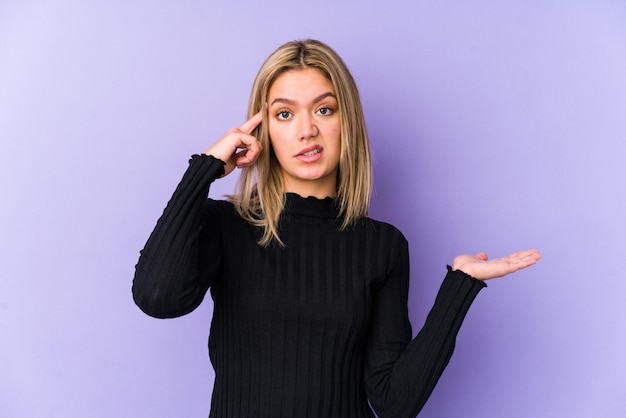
(480, 267)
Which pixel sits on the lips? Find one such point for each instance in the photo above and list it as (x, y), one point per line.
(310, 151)
(310, 154)
(315, 151)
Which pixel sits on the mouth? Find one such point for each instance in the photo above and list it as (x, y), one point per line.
(315, 151)
(309, 152)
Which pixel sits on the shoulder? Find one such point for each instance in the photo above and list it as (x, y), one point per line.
(385, 233)
(384, 228)
(390, 250)
(221, 217)
(218, 204)
(219, 209)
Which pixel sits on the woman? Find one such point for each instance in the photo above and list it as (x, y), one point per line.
(310, 295)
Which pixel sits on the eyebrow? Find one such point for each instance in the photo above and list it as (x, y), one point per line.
(292, 102)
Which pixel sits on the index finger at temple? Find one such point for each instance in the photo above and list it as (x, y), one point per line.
(249, 125)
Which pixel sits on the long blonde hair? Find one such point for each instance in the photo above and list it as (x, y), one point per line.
(259, 196)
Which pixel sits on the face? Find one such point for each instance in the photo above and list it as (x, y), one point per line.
(305, 132)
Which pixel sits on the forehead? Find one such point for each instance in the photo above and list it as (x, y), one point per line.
(301, 82)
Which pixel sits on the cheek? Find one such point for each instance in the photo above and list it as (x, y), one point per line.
(337, 138)
(277, 134)
(334, 129)
(276, 139)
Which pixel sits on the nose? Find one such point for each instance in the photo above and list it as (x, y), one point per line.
(308, 129)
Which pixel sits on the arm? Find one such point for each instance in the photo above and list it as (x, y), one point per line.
(401, 374)
(167, 279)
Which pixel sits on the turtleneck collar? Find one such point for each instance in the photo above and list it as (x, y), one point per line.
(310, 206)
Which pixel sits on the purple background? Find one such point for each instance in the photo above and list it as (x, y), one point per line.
(496, 126)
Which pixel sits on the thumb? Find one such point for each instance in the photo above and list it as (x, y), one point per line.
(482, 256)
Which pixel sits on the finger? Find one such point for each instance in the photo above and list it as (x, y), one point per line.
(249, 125)
(527, 256)
(243, 159)
(248, 156)
(528, 253)
(534, 253)
(246, 141)
(524, 259)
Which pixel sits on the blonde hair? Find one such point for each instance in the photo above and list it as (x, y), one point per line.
(259, 196)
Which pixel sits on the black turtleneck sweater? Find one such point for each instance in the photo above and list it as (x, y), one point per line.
(313, 329)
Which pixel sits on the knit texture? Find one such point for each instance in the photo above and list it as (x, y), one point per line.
(312, 329)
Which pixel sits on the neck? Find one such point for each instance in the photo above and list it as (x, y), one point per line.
(312, 189)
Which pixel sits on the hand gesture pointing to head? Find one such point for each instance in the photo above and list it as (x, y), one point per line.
(238, 148)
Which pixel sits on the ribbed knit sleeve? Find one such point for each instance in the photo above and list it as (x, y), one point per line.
(400, 374)
(167, 279)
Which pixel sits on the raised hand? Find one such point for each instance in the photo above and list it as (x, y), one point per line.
(237, 148)
(480, 267)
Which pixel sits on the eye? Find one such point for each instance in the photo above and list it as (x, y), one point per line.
(283, 115)
(325, 111)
